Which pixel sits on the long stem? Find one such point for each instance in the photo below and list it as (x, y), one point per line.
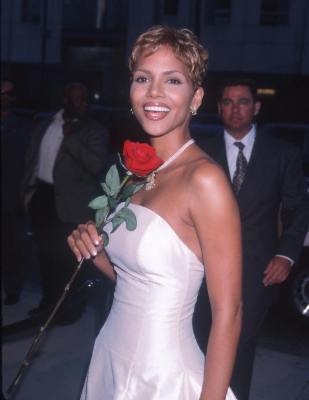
(38, 337)
(125, 180)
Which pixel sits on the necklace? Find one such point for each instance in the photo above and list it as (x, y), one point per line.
(151, 179)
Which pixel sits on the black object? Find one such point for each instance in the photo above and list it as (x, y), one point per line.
(11, 299)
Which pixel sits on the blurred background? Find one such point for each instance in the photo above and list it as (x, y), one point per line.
(47, 43)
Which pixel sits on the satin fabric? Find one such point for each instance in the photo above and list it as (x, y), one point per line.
(146, 350)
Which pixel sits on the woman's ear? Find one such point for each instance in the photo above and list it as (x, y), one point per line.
(197, 99)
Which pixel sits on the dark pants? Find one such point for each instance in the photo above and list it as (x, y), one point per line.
(254, 311)
(56, 261)
(244, 363)
(256, 302)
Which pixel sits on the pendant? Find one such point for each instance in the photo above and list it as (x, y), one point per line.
(151, 181)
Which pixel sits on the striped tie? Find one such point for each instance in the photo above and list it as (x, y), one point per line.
(241, 167)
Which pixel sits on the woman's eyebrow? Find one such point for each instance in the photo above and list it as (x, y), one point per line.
(169, 72)
(173, 72)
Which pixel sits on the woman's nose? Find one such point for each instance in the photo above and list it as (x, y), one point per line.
(155, 89)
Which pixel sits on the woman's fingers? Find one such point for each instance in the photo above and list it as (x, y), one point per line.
(93, 233)
(72, 243)
(85, 241)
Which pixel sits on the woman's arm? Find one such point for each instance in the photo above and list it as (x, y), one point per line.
(216, 218)
(86, 242)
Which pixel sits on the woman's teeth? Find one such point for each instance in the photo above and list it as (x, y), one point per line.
(156, 109)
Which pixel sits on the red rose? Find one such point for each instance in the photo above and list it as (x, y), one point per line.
(140, 158)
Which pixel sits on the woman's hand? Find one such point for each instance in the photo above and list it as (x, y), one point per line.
(85, 241)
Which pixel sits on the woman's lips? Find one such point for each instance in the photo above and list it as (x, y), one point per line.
(156, 113)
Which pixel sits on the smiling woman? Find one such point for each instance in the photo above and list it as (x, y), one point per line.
(147, 349)
(162, 90)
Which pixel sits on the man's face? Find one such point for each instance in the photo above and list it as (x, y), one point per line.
(237, 109)
(76, 102)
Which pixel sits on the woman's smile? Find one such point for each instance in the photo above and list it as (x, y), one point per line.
(156, 112)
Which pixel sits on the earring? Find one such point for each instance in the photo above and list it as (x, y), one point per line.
(193, 111)
(131, 111)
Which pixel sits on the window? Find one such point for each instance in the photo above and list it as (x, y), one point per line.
(275, 12)
(31, 11)
(217, 12)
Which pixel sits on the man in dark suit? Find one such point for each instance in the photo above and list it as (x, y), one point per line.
(267, 177)
(67, 154)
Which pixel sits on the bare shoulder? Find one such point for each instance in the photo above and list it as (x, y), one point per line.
(207, 186)
(204, 173)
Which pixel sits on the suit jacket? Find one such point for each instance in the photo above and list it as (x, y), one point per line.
(274, 184)
(80, 160)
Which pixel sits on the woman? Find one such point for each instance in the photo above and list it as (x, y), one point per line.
(187, 226)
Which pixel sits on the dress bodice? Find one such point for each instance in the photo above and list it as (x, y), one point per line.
(158, 278)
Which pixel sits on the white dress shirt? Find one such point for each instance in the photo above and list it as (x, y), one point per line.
(49, 148)
(232, 150)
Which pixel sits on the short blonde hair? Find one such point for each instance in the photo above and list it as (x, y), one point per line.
(183, 43)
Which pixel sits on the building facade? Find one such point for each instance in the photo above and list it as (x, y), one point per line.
(90, 40)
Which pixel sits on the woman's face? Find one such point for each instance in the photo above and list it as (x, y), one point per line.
(162, 93)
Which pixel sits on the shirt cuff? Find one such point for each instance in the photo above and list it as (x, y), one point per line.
(287, 258)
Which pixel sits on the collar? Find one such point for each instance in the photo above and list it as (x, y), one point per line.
(247, 140)
(58, 117)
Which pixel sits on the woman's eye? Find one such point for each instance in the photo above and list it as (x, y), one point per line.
(174, 81)
(140, 79)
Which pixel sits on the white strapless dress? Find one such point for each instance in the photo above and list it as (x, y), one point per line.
(146, 349)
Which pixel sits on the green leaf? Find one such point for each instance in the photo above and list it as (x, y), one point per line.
(100, 216)
(128, 200)
(130, 190)
(112, 203)
(105, 238)
(116, 222)
(98, 202)
(112, 180)
(106, 189)
(129, 217)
